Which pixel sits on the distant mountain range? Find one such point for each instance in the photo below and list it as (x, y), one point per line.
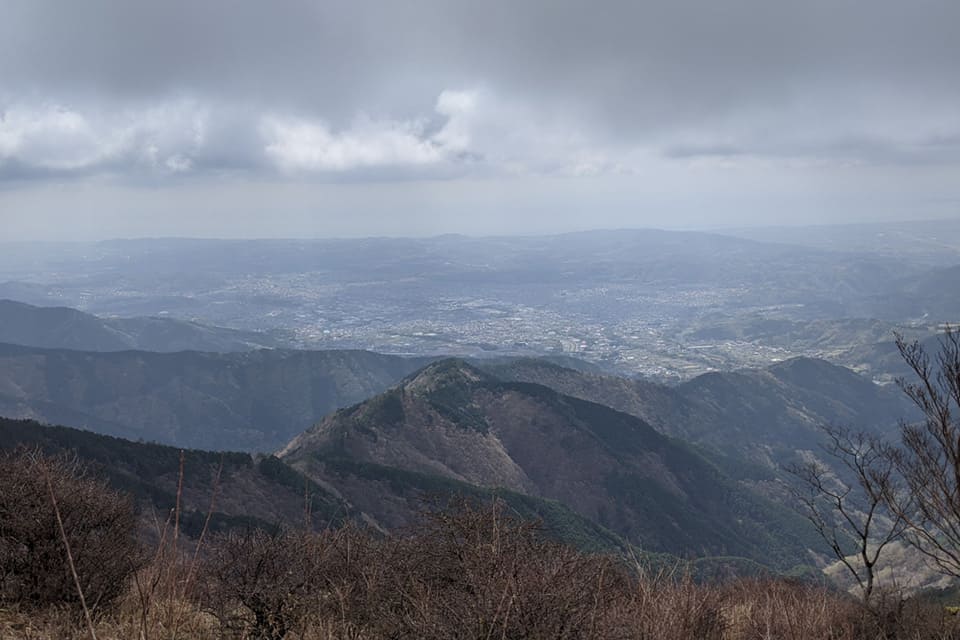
(412, 429)
(932, 242)
(252, 491)
(169, 267)
(254, 401)
(259, 400)
(65, 328)
(765, 414)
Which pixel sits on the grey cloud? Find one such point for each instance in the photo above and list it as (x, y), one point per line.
(704, 150)
(843, 147)
(661, 93)
(465, 129)
(623, 64)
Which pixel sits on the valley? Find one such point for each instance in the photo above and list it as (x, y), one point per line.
(693, 470)
(636, 392)
(665, 305)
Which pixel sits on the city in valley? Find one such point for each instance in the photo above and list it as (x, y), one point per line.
(662, 305)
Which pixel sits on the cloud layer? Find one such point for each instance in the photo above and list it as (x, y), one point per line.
(467, 131)
(167, 93)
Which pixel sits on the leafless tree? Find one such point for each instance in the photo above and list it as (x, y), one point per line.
(929, 458)
(852, 514)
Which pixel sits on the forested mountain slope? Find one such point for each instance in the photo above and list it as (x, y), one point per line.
(453, 421)
(763, 413)
(65, 328)
(253, 401)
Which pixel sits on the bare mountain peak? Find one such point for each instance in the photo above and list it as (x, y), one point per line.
(443, 374)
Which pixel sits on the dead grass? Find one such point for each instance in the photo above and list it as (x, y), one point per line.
(468, 573)
(471, 575)
(650, 609)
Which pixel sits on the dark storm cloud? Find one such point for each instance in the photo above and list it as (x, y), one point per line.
(629, 58)
(665, 99)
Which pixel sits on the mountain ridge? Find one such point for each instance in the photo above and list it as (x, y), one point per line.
(254, 400)
(262, 491)
(749, 412)
(608, 466)
(60, 327)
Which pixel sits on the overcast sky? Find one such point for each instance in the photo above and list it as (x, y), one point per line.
(325, 118)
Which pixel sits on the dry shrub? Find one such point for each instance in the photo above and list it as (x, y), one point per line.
(357, 580)
(891, 617)
(260, 582)
(667, 604)
(479, 573)
(99, 525)
(789, 610)
(473, 573)
(470, 573)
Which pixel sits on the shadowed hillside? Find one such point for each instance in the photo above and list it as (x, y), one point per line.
(259, 491)
(454, 421)
(764, 413)
(263, 491)
(65, 328)
(242, 401)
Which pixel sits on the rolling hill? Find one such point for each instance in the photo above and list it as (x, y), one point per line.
(65, 328)
(254, 400)
(454, 422)
(259, 491)
(765, 414)
(263, 491)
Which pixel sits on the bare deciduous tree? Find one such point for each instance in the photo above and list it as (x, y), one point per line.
(852, 515)
(929, 459)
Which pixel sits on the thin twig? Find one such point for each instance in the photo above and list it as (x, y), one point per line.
(206, 524)
(66, 545)
(176, 518)
(191, 572)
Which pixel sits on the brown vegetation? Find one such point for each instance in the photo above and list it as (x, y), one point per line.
(64, 537)
(473, 572)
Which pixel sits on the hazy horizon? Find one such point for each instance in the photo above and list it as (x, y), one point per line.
(730, 229)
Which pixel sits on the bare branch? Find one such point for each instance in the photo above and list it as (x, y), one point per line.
(852, 515)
